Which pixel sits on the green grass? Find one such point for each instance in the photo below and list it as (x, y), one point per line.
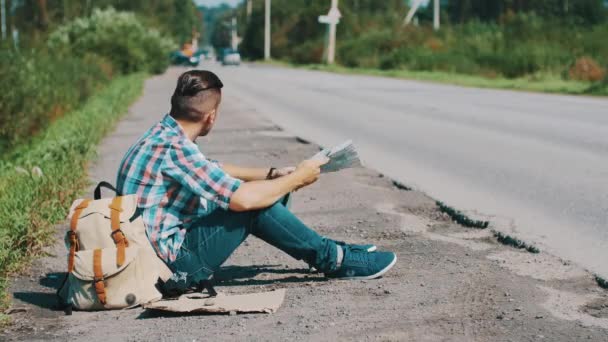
(31, 204)
(547, 83)
(515, 242)
(461, 218)
(601, 282)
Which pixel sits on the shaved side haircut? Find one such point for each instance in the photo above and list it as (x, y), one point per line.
(198, 92)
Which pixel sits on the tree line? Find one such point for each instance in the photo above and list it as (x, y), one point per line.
(583, 11)
(508, 38)
(33, 19)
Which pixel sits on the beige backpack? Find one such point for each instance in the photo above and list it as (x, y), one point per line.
(111, 263)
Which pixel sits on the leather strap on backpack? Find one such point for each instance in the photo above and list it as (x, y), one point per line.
(72, 237)
(117, 234)
(98, 280)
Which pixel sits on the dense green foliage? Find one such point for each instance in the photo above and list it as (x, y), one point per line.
(118, 36)
(34, 18)
(40, 85)
(37, 88)
(502, 38)
(216, 19)
(57, 99)
(39, 180)
(575, 11)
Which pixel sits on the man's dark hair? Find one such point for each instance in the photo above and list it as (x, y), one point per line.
(198, 92)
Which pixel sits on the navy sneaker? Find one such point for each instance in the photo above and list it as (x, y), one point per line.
(367, 247)
(359, 264)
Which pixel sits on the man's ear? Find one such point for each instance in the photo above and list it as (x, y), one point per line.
(211, 116)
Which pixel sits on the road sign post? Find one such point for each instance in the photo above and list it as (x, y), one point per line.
(332, 19)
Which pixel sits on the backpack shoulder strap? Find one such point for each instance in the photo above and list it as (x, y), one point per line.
(103, 184)
(117, 234)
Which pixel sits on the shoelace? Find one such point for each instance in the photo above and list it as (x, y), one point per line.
(357, 256)
(344, 244)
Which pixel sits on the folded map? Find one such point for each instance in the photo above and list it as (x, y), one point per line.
(342, 156)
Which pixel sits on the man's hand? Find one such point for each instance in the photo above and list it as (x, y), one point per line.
(263, 193)
(309, 170)
(282, 172)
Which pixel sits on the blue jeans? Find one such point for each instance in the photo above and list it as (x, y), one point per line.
(212, 239)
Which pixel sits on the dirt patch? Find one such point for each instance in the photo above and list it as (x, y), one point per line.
(597, 308)
(541, 266)
(573, 307)
(408, 222)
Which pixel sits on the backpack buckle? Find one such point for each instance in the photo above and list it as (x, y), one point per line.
(119, 238)
(72, 236)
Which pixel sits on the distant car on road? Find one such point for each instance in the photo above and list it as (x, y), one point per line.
(178, 58)
(231, 57)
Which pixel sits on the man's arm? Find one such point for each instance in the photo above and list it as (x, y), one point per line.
(263, 193)
(249, 174)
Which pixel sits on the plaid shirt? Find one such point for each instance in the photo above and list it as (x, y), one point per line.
(175, 183)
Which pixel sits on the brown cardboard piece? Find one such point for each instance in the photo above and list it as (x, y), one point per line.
(262, 302)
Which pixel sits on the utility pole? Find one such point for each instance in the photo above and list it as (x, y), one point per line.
(234, 41)
(267, 31)
(3, 17)
(436, 9)
(249, 9)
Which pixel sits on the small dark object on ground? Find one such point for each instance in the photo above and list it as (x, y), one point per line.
(511, 241)
(461, 218)
(304, 142)
(603, 283)
(401, 186)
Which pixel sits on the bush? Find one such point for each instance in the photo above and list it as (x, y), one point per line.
(37, 88)
(118, 36)
(586, 69)
(366, 50)
(40, 180)
(519, 45)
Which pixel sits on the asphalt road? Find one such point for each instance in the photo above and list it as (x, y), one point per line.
(450, 283)
(535, 164)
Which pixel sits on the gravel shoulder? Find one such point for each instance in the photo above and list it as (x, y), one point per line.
(450, 283)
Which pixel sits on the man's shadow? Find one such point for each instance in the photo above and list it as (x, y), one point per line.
(244, 275)
(226, 276)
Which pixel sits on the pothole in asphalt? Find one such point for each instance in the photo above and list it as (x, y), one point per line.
(408, 222)
(573, 307)
(538, 266)
(415, 224)
(471, 244)
(597, 308)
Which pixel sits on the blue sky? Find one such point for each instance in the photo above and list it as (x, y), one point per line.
(211, 3)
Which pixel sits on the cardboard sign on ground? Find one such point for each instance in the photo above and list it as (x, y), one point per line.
(263, 302)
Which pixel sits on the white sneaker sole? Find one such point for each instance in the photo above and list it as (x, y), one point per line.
(376, 275)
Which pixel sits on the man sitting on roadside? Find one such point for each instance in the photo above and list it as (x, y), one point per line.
(197, 211)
